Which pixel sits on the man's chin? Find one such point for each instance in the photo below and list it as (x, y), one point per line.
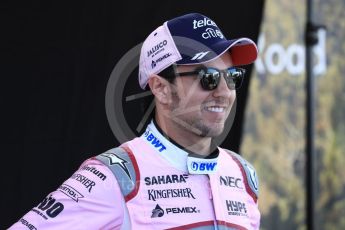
(213, 131)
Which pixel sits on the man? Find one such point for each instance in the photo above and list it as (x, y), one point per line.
(173, 176)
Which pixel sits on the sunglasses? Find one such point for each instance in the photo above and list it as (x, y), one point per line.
(210, 77)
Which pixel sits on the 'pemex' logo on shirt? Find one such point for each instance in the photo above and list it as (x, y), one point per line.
(157, 212)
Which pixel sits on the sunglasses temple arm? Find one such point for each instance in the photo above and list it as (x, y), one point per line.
(187, 73)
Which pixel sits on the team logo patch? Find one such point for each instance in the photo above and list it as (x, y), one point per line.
(232, 182)
(115, 159)
(253, 177)
(157, 212)
(70, 192)
(236, 208)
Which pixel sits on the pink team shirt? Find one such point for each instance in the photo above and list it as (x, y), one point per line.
(152, 184)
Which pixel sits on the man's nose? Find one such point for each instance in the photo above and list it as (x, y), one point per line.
(223, 90)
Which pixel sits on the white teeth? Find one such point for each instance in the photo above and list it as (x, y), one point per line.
(215, 109)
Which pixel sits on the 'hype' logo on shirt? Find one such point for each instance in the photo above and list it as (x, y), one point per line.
(236, 208)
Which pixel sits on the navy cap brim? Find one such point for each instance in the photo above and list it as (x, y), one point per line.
(243, 51)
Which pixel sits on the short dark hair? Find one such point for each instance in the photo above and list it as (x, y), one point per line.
(168, 74)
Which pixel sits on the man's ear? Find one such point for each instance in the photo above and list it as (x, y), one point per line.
(160, 88)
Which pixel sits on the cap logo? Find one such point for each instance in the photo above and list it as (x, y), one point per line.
(157, 48)
(200, 55)
(154, 63)
(212, 33)
(203, 22)
(209, 32)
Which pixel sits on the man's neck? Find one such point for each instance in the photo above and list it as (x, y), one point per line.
(186, 139)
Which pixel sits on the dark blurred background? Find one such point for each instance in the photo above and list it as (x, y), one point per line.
(55, 61)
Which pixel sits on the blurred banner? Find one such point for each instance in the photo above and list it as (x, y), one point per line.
(274, 130)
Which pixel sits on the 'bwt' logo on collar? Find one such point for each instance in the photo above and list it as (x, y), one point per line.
(200, 166)
(154, 141)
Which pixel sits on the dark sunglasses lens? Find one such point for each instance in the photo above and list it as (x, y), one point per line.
(235, 78)
(209, 79)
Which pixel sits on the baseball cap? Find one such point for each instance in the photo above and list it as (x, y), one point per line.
(188, 40)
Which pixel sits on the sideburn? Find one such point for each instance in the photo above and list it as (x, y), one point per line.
(175, 100)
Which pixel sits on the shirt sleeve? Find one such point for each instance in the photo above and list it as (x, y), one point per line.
(90, 199)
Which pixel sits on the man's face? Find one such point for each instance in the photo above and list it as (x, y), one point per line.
(197, 110)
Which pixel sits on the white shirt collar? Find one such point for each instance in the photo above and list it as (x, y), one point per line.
(176, 156)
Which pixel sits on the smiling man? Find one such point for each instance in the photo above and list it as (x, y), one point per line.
(173, 176)
(187, 110)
